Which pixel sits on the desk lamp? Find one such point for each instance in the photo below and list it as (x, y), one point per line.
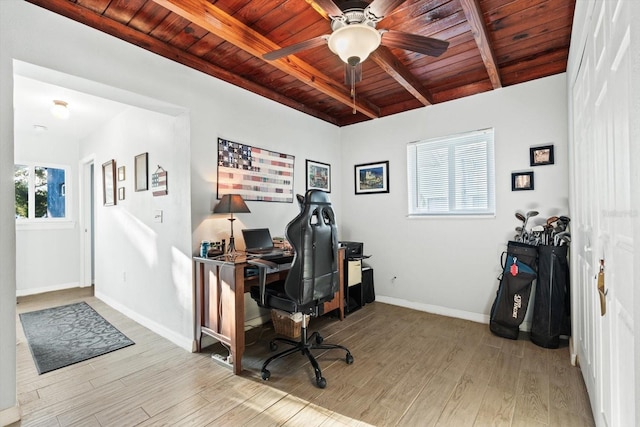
(231, 203)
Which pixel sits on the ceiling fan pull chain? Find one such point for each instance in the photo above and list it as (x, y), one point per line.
(353, 88)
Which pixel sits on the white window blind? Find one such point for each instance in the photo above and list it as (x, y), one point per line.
(452, 175)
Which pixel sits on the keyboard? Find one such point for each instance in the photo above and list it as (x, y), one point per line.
(267, 254)
(280, 258)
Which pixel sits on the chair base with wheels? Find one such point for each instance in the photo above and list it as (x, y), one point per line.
(305, 346)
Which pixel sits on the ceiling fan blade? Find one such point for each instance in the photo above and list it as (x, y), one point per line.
(414, 42)
(352, 74)
(295, 48)
(329, 7)
(381, 8)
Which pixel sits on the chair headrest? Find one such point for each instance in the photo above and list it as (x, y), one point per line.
(314, 197)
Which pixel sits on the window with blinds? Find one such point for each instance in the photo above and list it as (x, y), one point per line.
(452, 175)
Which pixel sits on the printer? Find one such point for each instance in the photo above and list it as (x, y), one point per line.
(353, 250)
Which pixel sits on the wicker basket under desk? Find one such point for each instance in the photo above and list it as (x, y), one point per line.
(283, 324)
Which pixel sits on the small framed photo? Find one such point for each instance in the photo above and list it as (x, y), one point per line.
(372, 178)
(318, 176)
(142, 172)
(109, 183)
(542, 155)
(121, 193)
(121, 175)
(521, 181)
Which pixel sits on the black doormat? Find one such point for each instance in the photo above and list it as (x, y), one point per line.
(62, 336)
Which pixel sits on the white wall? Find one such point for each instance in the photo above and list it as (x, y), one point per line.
(450, 265)
(55, 247)
(9, 411)
(143, 267)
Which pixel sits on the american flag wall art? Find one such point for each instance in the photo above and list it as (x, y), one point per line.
(254, 173)
(159, 182)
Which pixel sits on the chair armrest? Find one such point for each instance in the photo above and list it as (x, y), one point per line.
(263, 265)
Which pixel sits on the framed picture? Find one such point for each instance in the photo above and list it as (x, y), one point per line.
(239, 164)
(521, 181)
(318, 176)
(109, 183)
(539, 156)
(121, 173)
(372, 178)
(121, 193)
(141, 172)
(159, 182)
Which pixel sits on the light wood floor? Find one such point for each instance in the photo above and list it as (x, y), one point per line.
(411, 369)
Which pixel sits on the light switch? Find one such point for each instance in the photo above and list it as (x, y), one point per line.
(157, 216)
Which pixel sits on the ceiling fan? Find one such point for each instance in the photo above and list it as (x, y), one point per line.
(355, 36)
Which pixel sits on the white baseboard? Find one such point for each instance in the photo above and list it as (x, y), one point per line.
(177, 339)
(9, 415)
(445, 311)
(435, 309)
(34, 291)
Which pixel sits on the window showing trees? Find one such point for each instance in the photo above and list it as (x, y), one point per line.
(40, 192)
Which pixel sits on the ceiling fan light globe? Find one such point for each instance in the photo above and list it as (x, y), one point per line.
(354, 41)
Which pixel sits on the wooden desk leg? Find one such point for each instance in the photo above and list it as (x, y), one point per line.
(199, 291)
(239, 292)
(236, 334)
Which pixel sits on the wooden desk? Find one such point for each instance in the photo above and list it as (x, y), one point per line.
(219, 300)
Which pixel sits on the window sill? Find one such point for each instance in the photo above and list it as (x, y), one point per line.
(451, 216)
(44, 225)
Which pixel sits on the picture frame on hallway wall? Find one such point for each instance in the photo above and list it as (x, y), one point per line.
(542, 155)
(109, 183)
(318, 176)
(372, 178)
(522, 181)
(141, 172)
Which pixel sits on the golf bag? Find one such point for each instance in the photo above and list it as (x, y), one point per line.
(514, 290)
(551, 308)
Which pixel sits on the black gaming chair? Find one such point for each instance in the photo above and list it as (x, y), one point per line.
(311, 281)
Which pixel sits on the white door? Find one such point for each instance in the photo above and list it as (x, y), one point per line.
(603, 216)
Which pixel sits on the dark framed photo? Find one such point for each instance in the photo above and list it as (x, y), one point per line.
(121, 193)
(521, 181)
(121, 174)
(142, 172)
(542, 155)
(109, 183)
(318, 176)
(372, 178)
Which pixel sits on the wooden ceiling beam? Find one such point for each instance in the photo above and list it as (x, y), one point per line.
(392, 66)
(472, 10)
(225, 26)
(109, 26)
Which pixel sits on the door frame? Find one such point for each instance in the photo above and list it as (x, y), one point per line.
(86, 219)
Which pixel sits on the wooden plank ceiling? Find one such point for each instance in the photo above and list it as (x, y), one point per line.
(492, 44)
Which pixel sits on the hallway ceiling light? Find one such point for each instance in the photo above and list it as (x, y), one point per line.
(60, 109)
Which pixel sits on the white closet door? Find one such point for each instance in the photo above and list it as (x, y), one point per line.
(603, 223)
